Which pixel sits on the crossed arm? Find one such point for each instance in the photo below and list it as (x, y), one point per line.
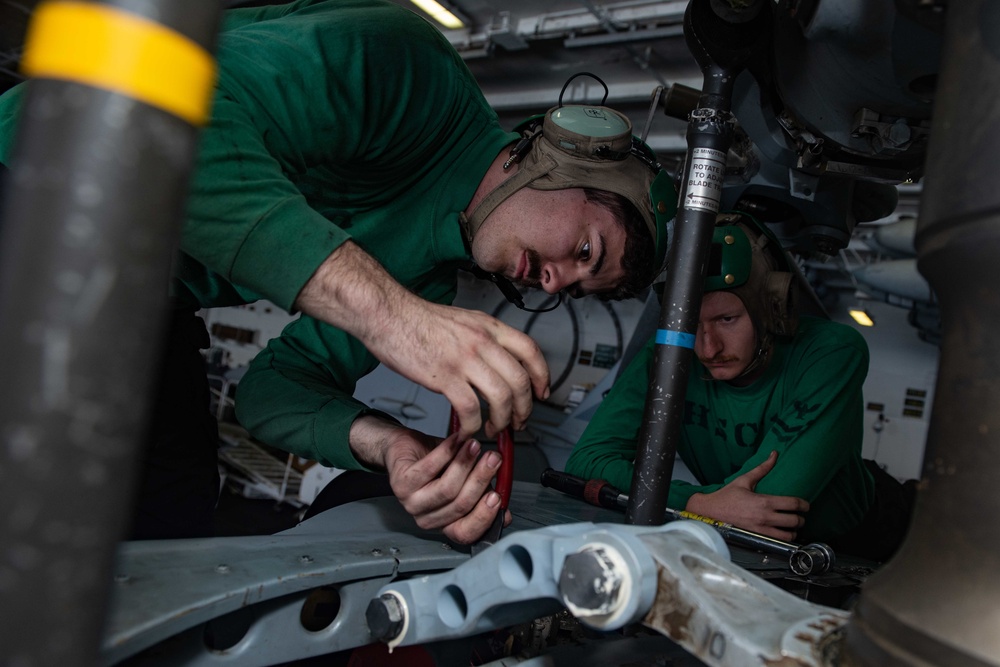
(788, 468)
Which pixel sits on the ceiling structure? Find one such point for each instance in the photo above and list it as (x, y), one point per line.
(523, 53)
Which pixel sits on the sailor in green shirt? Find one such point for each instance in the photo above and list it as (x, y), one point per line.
(351, 167)
(773, 412)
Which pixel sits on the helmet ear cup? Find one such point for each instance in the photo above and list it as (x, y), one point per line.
(588, 147)
(755, 268)
(779, 303)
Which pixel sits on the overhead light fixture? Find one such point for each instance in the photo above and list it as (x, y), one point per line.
(862, 317)
(437, 12)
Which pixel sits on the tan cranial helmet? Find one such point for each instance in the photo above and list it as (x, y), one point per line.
(580, 146)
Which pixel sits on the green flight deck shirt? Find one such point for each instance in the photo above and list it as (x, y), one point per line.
(807, 406)
(332, 120)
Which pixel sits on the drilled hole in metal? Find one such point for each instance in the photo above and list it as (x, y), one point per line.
(225, 632)
(320, 609)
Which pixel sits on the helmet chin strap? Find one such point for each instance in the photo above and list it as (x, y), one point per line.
(471, 223)
(500, 194)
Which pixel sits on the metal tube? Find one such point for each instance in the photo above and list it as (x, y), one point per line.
(91, 215)
(709, 136)
(936, 601)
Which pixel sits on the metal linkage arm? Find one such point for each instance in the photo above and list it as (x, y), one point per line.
(602, 573)
(675, 579)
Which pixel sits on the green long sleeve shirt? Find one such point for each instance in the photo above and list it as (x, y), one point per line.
(807, 406)
(382, 136)
(332, 120)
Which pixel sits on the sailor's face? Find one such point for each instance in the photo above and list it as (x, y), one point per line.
(725, 343)
(554, 240)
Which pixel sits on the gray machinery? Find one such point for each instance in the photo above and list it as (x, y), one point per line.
(832, 99)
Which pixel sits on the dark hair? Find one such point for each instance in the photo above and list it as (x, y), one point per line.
(637, 260)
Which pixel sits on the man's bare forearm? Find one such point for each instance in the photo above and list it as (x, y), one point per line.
(463, 354)
(369, 440)
(353, 292)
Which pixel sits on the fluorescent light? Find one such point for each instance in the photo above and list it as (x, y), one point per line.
(439, 14)
(862, 317)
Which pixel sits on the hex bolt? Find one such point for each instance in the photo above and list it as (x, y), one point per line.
(385, 617)
(590, 582)
(898, 134)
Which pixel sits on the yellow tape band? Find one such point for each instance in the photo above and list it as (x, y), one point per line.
(108, 48)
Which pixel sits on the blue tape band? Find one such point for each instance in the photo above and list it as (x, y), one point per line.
(675, 338)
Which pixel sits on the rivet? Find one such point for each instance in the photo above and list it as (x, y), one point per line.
(730, 279)
(661, 207)
(305, 560)
(122, 578)
(222, 568)
(730, 240)
(376, 552)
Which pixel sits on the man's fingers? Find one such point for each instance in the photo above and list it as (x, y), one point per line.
(506, 386)
(473, 525)
(411, 472)
(467, 409)
(787, 504)
(529, 356)
(786, 520)
(750, 478)
(447, 499)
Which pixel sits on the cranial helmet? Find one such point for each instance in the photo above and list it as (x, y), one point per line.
(748, 260)
(579, 146)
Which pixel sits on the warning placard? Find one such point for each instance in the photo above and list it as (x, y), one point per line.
(704, 179)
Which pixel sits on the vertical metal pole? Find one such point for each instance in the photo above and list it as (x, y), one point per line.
(721, 44)
(936, 602)
(90, 221)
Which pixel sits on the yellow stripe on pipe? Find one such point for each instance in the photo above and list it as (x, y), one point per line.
(114, 50)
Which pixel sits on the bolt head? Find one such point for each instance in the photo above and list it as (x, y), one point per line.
(385, 617)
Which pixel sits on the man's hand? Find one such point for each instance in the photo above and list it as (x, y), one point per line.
(738, 504)
(462, 354)
(445, 485)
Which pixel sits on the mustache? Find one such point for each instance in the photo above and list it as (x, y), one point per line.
(716, 360)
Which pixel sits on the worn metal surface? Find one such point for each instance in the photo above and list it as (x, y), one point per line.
(936, 602)
(167, 588)
(522, 577)
(304, 592)
(726, 616)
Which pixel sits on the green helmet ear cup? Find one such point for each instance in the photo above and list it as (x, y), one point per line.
(730, 259)
(663, 197)
(747, 259)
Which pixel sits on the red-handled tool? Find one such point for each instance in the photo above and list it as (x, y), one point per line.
(504, 484)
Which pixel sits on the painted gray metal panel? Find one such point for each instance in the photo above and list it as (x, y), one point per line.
(163, 588)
